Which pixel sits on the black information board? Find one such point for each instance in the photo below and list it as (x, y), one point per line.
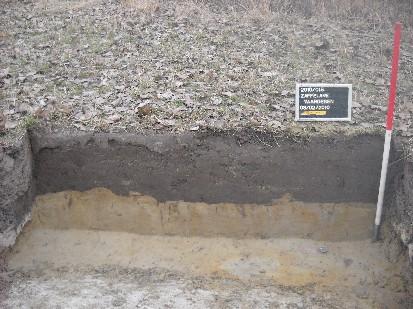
(323, 102)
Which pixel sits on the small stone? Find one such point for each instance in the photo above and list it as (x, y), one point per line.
(167, 122)
(269, 74)
(285, 93)
(323, 249)
(42, 103)
(228, 94)
(114, 118)
(10, 125)
(194, 128)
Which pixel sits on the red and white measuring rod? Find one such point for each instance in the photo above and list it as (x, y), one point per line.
(389, 128)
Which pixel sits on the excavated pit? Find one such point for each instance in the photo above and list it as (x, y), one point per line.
(241, 206)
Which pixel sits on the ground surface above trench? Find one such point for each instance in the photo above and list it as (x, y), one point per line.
(112, 66)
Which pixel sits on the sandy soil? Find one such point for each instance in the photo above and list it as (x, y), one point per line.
(132, 288)
(101, 209)
(86, 269)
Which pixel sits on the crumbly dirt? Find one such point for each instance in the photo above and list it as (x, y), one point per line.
(177, 66)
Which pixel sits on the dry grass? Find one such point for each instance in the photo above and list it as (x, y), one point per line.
(258, 9)
(373, 11)
(192, 9)
(64, 5)
(376, 12)
(145, 6)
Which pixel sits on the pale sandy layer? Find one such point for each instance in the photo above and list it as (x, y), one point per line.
(100, 209)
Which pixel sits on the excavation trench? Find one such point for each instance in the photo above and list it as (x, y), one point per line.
(242, 206)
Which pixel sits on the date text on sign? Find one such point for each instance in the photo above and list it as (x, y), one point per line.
(323, 102)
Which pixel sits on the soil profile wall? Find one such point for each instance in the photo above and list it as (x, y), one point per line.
(212, 168)
(100, 209)
(16, 189)
(400, 212)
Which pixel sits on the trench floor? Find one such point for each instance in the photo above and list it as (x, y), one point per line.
(99, 269)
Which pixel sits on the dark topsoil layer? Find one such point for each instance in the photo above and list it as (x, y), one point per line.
(212, 167)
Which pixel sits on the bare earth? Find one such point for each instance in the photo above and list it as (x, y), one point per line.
(92, 269)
